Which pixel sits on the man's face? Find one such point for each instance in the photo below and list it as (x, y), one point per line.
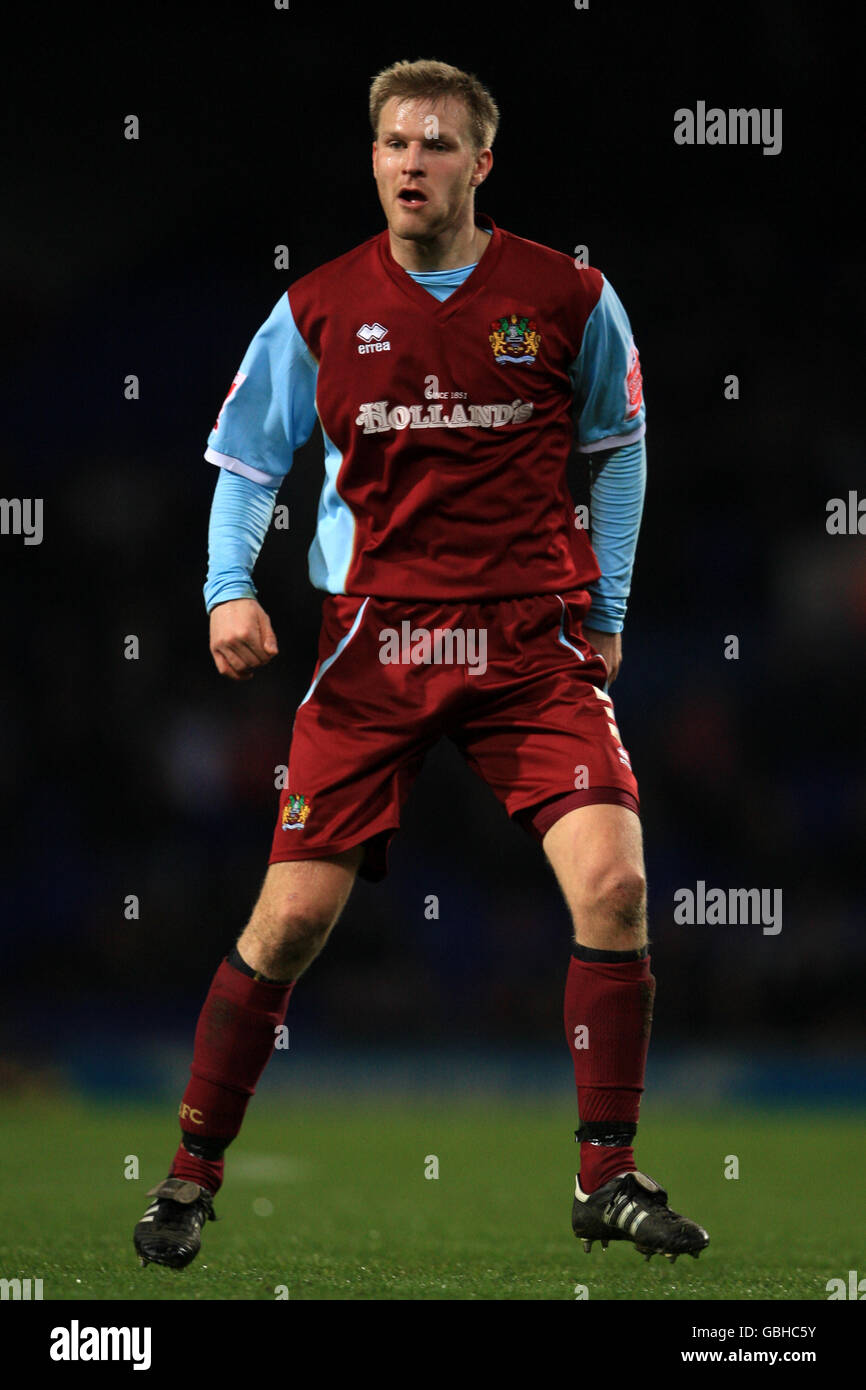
(425, 165)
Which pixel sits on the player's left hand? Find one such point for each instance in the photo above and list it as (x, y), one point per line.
(608, 645)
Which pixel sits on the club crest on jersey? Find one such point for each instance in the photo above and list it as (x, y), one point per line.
(514, 339)
(295, 812)
(633, 384)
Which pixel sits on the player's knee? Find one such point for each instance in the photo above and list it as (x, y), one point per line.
(616, 895)
(288, 923)
(307, 926)
(302, 900)
(283, 940)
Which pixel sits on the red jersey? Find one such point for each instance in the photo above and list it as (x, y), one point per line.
(447, 425)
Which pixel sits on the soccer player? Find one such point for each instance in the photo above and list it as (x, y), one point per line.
(452, 366)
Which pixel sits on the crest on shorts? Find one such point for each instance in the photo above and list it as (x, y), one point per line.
(514, 338)
(295, 812)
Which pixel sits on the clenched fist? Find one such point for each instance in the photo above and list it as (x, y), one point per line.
(241, 638)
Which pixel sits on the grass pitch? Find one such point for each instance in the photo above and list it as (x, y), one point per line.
(330, 1201)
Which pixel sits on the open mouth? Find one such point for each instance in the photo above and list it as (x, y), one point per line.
(412, 196)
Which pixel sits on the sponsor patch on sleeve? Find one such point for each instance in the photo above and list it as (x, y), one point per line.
(633, 384)
(237, 380)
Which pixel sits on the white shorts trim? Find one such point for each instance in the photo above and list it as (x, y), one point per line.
(341, 647)
(562, 637)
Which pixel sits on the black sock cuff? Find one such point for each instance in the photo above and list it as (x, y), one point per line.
(235, 958)
(200, 1147)
(611, 1133)
(588, 953)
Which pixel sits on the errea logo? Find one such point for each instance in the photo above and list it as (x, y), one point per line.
(372, 335)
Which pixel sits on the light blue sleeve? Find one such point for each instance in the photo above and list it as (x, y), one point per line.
(270, 410)
(606, 378)
(240, 515)
(616, 506)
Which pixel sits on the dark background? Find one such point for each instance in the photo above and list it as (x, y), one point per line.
(155, 777)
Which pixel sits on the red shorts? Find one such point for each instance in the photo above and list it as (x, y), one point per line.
(512, 682)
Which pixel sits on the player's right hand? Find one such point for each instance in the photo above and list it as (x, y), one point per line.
(241, 638)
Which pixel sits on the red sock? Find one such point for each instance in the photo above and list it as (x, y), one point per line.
(608, 1014)
(234, 1039)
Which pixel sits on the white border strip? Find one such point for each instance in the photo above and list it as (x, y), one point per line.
(613, 441)
(341, 647)
(562, 637)
(234, 465)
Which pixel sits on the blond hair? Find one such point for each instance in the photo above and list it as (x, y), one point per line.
(429, 78)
